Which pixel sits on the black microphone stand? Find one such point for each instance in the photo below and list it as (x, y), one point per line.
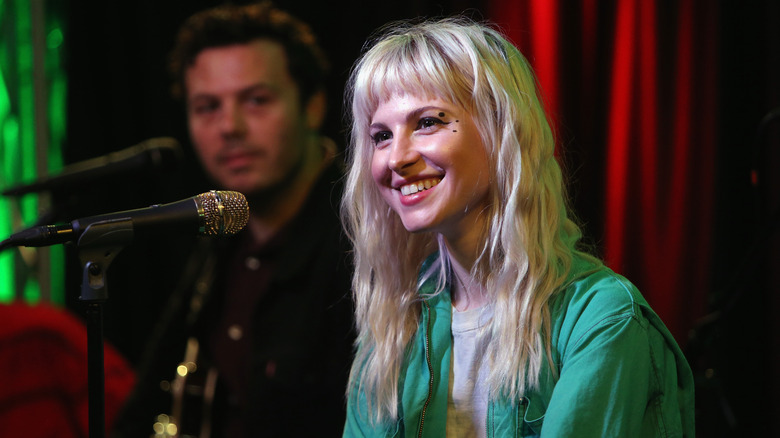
(97, 246)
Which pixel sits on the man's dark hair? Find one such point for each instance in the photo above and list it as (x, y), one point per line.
(240, 24)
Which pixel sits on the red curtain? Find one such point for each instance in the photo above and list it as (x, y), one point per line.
(630, 86)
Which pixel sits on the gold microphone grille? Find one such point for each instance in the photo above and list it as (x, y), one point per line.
(223, 212)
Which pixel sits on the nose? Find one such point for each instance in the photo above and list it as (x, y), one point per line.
(403, 155)
(232, 122)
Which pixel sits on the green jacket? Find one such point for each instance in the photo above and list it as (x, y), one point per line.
(620, 372)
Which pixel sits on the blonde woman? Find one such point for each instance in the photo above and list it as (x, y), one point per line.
(477, 315)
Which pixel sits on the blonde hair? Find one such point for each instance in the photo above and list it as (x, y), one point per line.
(529, 238)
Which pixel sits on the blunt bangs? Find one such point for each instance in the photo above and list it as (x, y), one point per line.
(419, 64)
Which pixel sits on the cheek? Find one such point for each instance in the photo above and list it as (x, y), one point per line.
(477, 157)
(199, 133)
(382, 177)
(281, 134)
(379, 171)
(205, 149)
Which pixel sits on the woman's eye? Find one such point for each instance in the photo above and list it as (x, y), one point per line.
(381, 136)
(429, 122)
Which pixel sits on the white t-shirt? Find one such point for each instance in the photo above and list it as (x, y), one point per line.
(467, 404)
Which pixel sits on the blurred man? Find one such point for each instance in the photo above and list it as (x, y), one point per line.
(257, 339)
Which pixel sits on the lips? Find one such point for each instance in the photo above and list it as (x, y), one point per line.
(237, 159)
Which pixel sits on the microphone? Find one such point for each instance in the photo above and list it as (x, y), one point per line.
(156, 153)
(213, 213)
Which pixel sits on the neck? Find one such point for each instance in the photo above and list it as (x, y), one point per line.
(467, 292)
(463, 247)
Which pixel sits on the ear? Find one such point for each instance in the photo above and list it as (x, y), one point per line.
(315, 111)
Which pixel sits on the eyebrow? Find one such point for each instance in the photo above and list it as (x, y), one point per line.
(410, 116)
(260, 86)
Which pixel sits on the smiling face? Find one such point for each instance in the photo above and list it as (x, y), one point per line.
(245, 117)
(430, 165)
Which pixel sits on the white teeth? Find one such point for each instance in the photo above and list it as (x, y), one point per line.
(419, 186)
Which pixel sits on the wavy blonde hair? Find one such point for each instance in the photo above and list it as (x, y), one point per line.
(529, 238)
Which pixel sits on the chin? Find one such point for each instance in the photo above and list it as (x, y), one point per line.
(416, 227)
(243, 185)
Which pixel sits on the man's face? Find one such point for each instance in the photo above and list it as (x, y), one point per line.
(245, 117)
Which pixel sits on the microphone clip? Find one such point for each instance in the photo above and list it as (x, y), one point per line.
(98, 245)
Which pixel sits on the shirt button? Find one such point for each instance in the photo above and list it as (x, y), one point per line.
(235, 332)
(252, 263)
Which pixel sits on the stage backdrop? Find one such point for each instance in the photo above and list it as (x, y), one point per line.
(658, 106)
(639, 83)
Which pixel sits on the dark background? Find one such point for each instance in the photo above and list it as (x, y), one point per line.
(118, 95)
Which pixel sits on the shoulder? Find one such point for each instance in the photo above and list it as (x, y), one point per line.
(596, 300)
(595, 291)
(614, 356)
